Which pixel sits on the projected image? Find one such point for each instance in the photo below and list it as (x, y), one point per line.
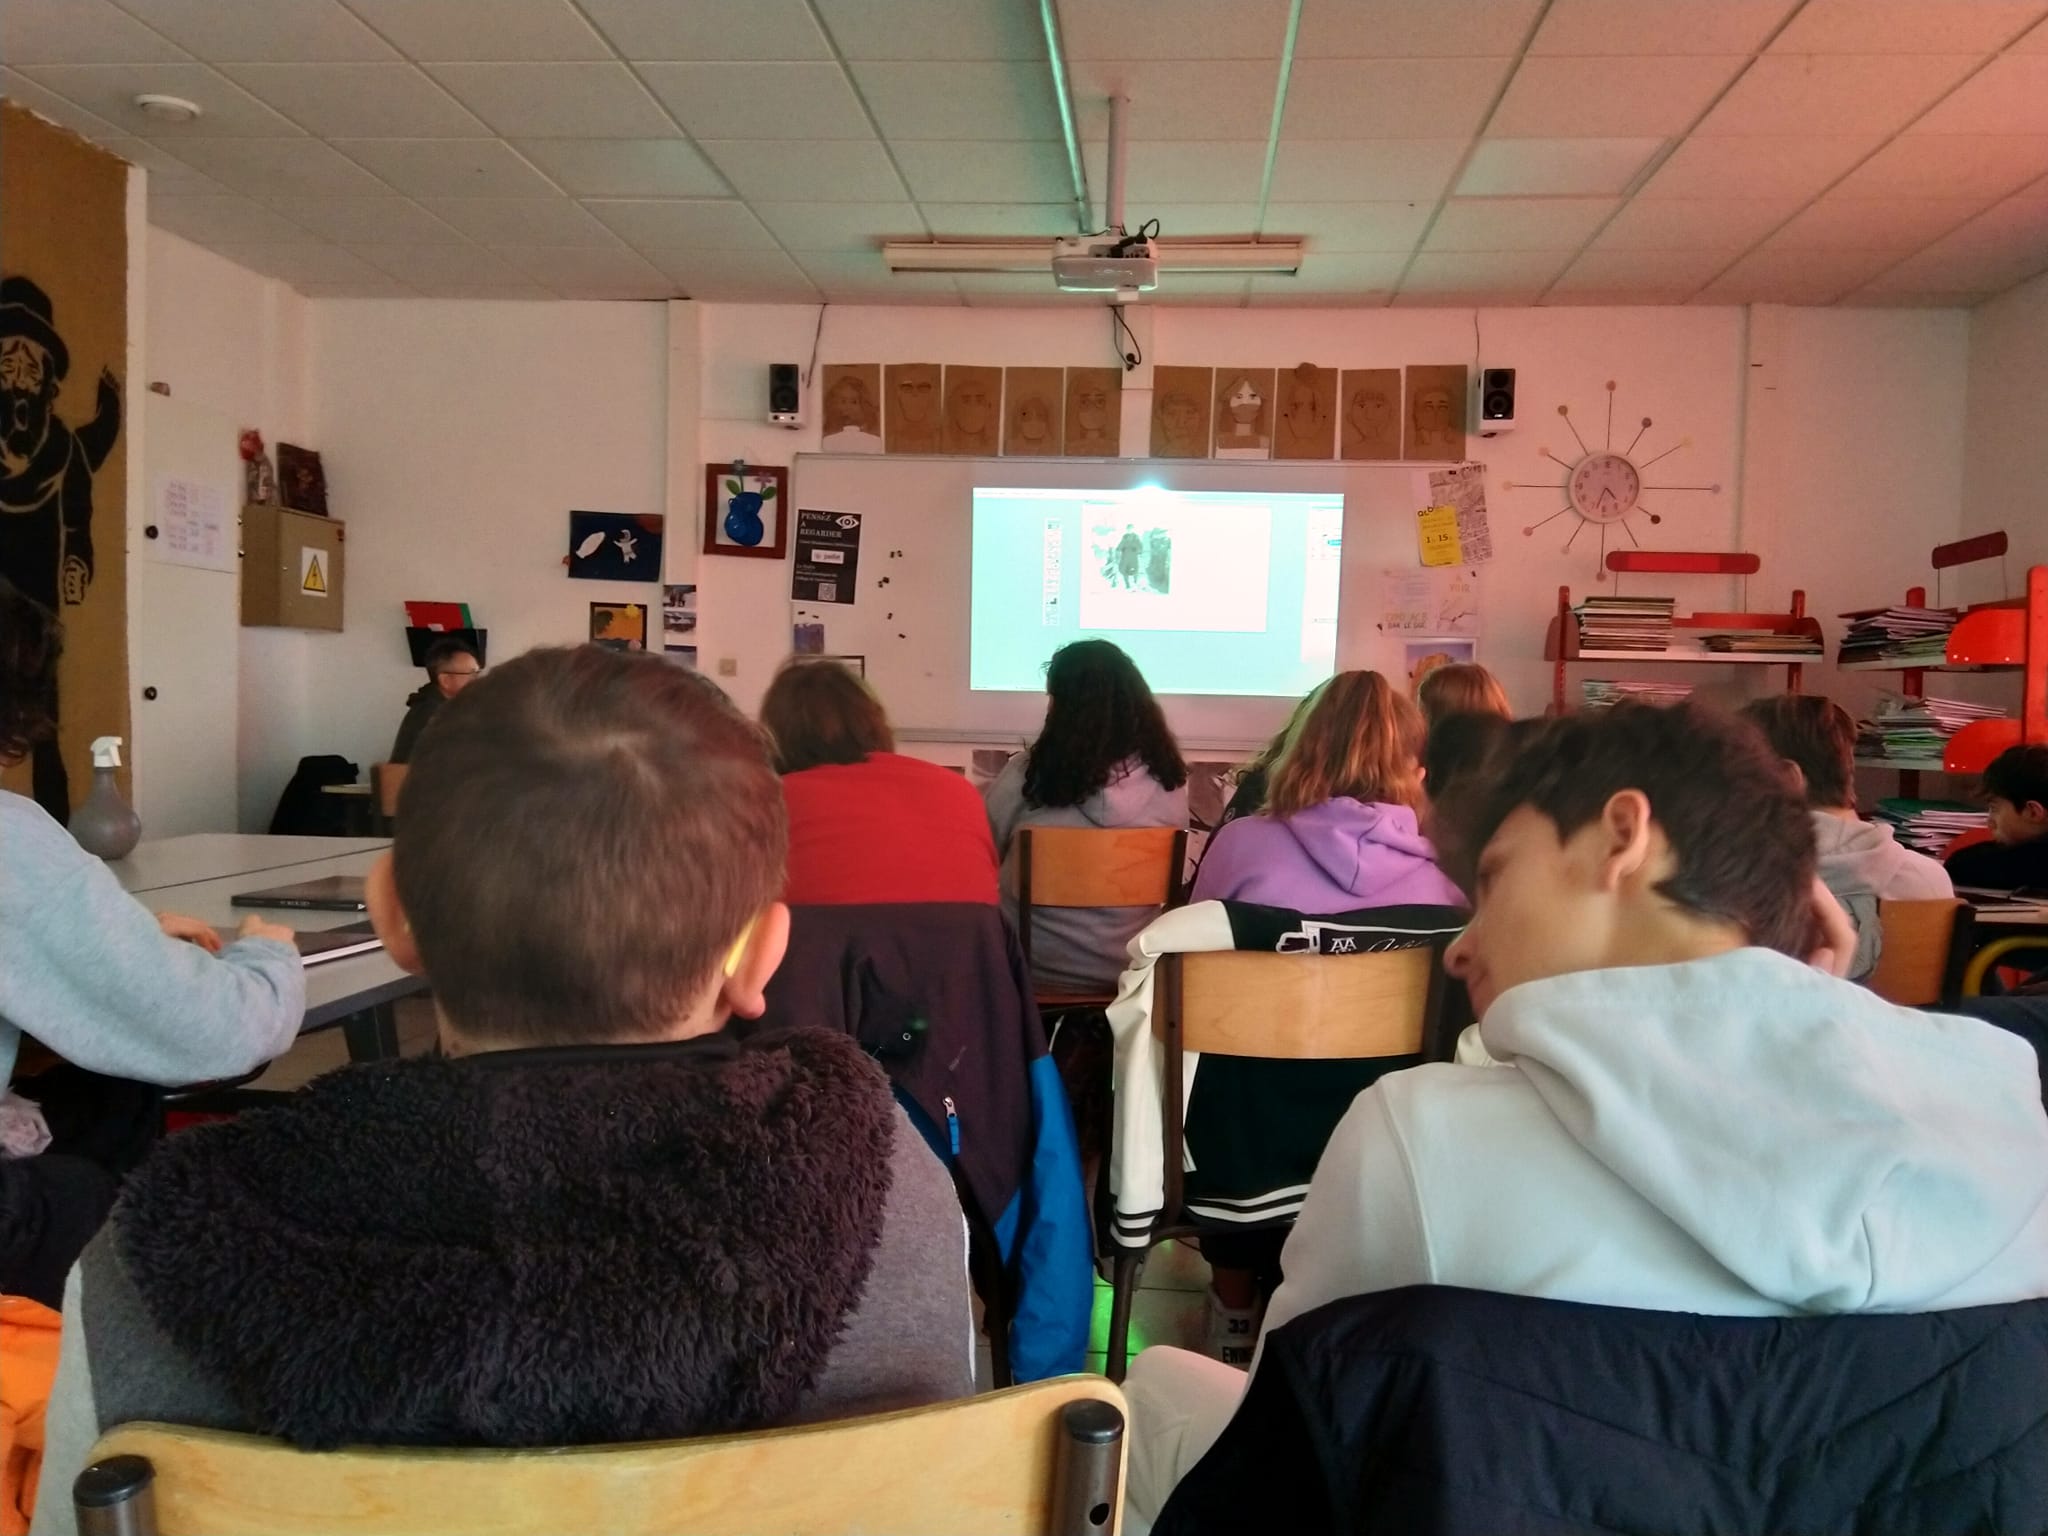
(1210, 591)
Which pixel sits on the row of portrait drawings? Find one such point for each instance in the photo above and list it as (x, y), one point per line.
(1304, 412)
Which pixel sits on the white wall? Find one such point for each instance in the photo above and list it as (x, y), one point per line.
(2005, 473)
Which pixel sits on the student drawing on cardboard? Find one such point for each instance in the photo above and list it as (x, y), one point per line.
(1307, 425)
(1094, 407)
(853, 408)
(1436, 413)
(1370, 426)
(1031, 411)
(912, 422)
(1180, 411)
(973, 407)
(1244, 416)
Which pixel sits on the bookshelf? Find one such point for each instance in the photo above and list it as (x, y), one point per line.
(1561, 645)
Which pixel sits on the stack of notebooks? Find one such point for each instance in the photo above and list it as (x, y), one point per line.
(1902, 729)
(1762, 642)
(1601, 692)
(1906, 637)
(1928, 826)
(1624, 623)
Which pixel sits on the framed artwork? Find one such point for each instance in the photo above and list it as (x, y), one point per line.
(1032, 414)
(1095, 411)
(1180, 411)
(853, 408)
(974, 410)
(619, 626)
(1422, 657)
(1369, 414)
(746, 510)
(1244, 413)
(1306, 424)
(1433, 426)
(911, 412)
(614, 546)
(301, 482)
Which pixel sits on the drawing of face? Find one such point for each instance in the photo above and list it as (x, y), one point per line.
(973, 410)
(1369, 414)
(1244, 404)
(846, 406)
(1091, 405)
(28, 387)
(1303, 412)
(1034, 421)
(914, 400)
(1433, 415)
(1181, 418)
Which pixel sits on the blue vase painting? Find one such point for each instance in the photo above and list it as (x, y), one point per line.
(743, 507)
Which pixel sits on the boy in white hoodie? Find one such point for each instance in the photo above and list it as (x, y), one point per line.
(1661, 1106)
(1860, 861)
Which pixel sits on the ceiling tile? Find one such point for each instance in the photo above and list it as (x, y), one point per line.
(168, 175)
(959, 101)
(1555, 167)
(1982, 166)
(2035, 41)
(1350, 227)
(994, 221)
(1518, 223)
(1834, 93)
(108, 91)
(81, 32)
(863, 277)
(1895, 224)
(625, 167)
(1489, 272)
(1352, 274)
(1606, 27)
(278, 167)
(1197, 29)
(745, 100)
(1869, 297)
(346, 101)
(833, 171)
(709, 29)
(448, 167)
(696, 224)
(1718, 226)
(1906, 26)
(246, 31)
(367, 220)
(448, 30)
(1187, 221)
(737, 277)
(2008, 95)
(939, 171)
(1777, 276)
(1194, 290)
(1641, 277)
(839, 226)
(539, 221)
(1203, 99)
(557, 101)
(1779, 165)
(319, 263)
(611, 274)
(2004, 245)
(1012, 290)
(1365, 170)
(217, 220)
(1180, 173)
(1389, 98)
(1609, 97)
(496, 292)
(387, 289)
(23, 91)
(933, 29)
(1412, 29)
(440, 266)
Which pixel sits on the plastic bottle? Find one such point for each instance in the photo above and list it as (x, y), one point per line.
(106, 824)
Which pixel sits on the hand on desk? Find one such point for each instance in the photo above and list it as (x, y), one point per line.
(254, 927)
(191, 930)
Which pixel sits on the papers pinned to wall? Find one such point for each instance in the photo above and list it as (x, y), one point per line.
(1436, 532)
(1440, 601)
(192, 525)
(1462, 488)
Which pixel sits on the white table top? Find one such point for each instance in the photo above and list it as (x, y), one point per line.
(197, 875)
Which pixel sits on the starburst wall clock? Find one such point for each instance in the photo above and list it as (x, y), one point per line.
(1603, 488)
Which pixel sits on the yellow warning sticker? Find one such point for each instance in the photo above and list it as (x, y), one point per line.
(313, 572)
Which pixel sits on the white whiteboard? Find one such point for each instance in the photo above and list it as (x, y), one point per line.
(916, 537)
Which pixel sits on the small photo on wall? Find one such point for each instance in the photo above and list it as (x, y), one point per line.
(1419, 658)
(301, 480)
(853, 408)
(619, 626)
(678, 617)
(1434, 424)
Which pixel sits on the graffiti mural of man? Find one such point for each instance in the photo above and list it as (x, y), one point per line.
(46, 470)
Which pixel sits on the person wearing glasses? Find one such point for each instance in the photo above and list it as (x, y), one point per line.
(451, 667)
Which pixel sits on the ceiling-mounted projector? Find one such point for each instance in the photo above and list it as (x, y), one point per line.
(1122, 266)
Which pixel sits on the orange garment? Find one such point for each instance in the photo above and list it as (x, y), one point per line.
(28, 1369)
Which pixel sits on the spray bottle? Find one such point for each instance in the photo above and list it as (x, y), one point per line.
(106, 824)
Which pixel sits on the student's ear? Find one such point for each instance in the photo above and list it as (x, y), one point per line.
(1625, 837)
(387, 917)
(1798, 775)
(2034, 812)
(745, 991)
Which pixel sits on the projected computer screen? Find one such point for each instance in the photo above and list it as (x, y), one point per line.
(1225, 592)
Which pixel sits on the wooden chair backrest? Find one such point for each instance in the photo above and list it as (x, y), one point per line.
(1306, 1007)
(984, 1464)
(1100, 866)
(1915, 967)
(385, 782)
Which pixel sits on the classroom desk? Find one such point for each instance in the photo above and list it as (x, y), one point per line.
(358, 808)
(198, 875)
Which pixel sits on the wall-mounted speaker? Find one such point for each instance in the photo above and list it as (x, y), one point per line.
(785, 395)
(1496, 401)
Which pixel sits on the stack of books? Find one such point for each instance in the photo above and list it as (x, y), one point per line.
(1905, 637)
(1902, 729)
(1624, 623)
(1601, 692)
(1762, 642)
(1929, 826)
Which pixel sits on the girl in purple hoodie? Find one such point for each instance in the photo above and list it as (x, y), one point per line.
(1338, 829)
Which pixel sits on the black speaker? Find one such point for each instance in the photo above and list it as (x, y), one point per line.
(1496, 396)
(785, 394)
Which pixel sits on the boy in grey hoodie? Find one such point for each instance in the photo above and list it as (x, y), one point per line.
(1860, 862)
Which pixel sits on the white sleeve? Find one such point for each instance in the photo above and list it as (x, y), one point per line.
(71, 1422)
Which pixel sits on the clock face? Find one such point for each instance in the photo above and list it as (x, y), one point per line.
(1604, 487)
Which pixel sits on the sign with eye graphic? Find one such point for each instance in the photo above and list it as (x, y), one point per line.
(827, 556)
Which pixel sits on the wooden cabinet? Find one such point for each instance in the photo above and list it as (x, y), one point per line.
(293, 565)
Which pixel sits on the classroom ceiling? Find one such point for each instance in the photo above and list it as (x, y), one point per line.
(1430, 152)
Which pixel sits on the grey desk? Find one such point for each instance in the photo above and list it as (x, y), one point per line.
(198, 875)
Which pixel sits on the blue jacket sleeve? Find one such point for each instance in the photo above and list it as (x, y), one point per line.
(1044, 1235)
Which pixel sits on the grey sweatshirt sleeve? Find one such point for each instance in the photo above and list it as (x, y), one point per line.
(1005, 802)
(85, 969)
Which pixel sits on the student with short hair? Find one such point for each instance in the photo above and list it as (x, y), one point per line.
(598, 1216)
(2015, 786)
(1859, 861)
(451, 665)
(1662, 1105)
(1104, 758)
(1457, 756)
(1461, 688)
(867, 825)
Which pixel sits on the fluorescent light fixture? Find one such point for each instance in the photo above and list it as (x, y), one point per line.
(1035, 256)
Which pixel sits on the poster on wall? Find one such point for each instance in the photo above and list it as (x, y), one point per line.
(1433, 601)
(1462, 487)
(619, 626)
(63, 453)
(614, 546)
(678, 617)
(827, 556)
(192, 525)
